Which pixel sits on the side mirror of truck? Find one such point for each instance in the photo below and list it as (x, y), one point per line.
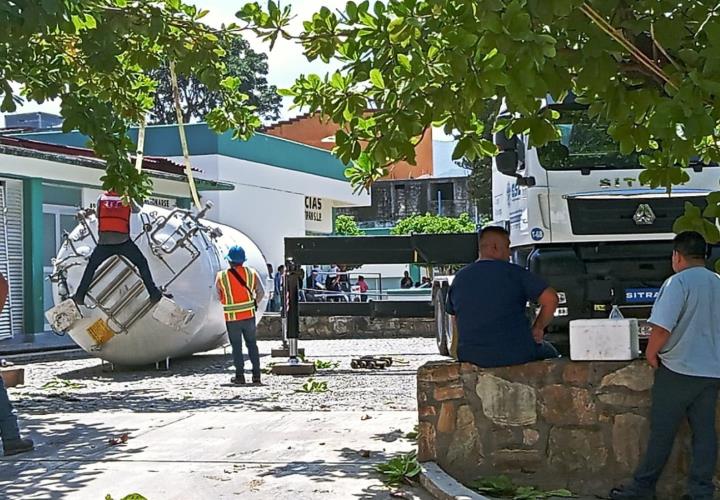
(508, 159)
(507, 163)
(511, 158)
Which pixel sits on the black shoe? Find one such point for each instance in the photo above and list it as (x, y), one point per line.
(238, 379)
(256, 380)
(16, 446)
(629, 493)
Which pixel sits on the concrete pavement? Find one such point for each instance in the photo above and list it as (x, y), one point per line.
(209, 455)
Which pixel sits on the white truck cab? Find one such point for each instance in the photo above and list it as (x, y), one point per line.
(578, 216)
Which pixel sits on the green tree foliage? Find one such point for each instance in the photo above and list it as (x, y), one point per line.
(434, 224)
(241, 62)
(479, 182)
(345, 225)
(649, 69)
(96, 57)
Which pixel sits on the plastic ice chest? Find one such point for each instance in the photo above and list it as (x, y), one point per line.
(604, 339)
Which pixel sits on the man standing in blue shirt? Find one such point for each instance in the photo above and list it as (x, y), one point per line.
(684, 346)
(489, 301)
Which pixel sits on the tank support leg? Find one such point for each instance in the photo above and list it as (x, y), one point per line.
(167, 365)
(293, 366)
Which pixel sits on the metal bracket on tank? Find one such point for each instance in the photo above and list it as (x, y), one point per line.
(82, 216)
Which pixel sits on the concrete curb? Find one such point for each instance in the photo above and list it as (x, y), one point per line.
(442, 486)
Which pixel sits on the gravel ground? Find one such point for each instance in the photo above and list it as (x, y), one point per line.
(201, 383)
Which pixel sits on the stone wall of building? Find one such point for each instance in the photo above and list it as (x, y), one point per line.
(353, 327)
(554, 424)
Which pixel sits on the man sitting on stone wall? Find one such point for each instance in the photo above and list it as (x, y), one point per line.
(489, 298)
(684, 346)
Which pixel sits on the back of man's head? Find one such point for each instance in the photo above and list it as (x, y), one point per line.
(690, 245)
(494, 243)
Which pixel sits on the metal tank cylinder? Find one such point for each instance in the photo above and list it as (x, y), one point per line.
(185, 252)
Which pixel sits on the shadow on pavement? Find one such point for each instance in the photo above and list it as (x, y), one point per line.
(54, 469)
(140, 401)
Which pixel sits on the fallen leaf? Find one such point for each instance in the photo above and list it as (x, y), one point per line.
(364, 453)
(365, 417)
(119, 440)
(400, 494)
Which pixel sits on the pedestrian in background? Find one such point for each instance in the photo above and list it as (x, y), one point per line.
(362, 284)
(684, 348)
(9, 431)
(271, 279)
(240, 289)
(277, 287)
(406, 281)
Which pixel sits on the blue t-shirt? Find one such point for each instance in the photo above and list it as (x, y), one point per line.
(688, 307)
(489, 299)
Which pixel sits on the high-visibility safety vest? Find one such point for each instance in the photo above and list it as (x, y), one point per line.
(238, 302)
(112, 214)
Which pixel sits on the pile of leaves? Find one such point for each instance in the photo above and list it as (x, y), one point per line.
(321, 364)
(504, 487)
(62, 385)
(400, 469)
(313, 386)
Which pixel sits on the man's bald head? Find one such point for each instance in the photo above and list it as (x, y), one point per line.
(494, 244)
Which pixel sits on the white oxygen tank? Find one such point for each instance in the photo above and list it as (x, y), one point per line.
(185, 252)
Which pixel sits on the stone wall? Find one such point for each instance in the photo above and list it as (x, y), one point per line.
(352, 327)
(579, 425)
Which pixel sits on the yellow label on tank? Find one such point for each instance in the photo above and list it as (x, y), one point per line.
(100, 332)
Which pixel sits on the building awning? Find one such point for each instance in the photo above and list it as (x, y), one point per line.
(160, 168)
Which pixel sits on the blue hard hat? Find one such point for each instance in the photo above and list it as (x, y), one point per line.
(236, 254)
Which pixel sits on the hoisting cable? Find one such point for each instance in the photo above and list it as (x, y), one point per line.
(183, 138)
(140, 146)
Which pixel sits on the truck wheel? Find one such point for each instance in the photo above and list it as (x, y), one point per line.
(441, 321)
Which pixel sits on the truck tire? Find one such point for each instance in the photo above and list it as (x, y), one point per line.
(441, 319)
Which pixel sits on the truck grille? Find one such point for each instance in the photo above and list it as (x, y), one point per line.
(616, 216)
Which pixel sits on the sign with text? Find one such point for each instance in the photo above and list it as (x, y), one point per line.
(90, 196)
(318, 215)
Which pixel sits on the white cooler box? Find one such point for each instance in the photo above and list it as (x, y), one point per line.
(604, 339)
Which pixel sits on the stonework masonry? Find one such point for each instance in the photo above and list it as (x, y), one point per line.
(350, 327)
(553, 424)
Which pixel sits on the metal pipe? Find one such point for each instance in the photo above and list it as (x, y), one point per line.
(139, 314)
(130, 295)
(114, 285)
(283, 309)
(293, 314)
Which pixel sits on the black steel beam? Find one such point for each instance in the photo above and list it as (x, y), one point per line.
(431, 249)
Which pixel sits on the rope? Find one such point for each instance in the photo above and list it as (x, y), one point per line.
(140, 146)
(183, 138)
(617, 35)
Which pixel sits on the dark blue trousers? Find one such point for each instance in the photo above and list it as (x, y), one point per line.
(674, 397)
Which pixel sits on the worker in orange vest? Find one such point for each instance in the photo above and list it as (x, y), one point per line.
(114, 239)
(240, 289)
